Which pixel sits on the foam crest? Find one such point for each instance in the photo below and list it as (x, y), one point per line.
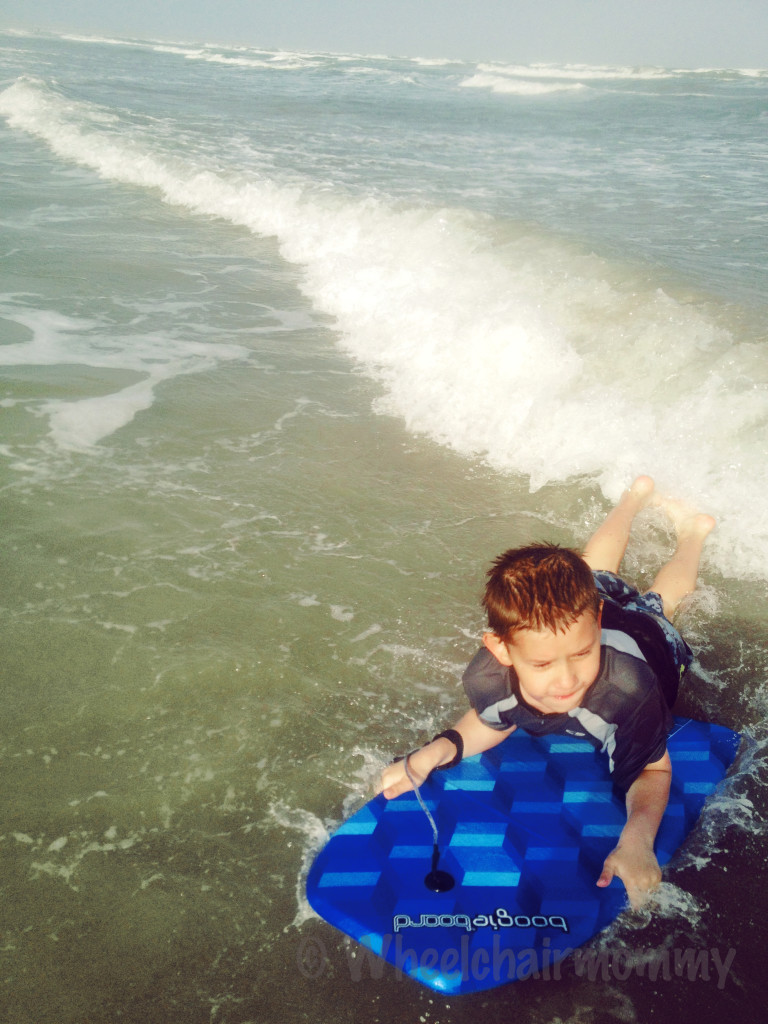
(435, 62)
(277, 61)
(513, 348)
(518, 87)
(578, 72)
(98, 40)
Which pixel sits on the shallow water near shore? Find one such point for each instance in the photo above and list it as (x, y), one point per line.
(291, 346)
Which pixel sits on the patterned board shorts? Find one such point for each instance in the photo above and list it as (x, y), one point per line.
(616, 589)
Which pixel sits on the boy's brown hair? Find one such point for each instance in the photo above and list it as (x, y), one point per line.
(538, 587)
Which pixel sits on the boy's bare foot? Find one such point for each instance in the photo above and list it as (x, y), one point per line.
(605, 548)
(698, 525)
(642, 487)
(686, 521)
(677, 579)
(640, 493)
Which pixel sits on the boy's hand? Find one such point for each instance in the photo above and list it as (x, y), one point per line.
(633, 859)
(421, 762)
(636, 866)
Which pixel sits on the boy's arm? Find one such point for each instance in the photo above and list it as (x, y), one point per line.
(633, 859)
(477, 737)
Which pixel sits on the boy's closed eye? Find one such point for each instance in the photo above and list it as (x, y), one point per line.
(546, 664)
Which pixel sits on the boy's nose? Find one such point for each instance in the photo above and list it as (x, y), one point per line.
(567, 681)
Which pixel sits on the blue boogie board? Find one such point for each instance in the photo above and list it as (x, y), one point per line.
(523, 832)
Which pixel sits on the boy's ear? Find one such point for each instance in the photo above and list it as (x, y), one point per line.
(498, 648)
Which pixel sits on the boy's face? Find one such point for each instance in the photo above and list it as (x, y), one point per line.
(554, 670)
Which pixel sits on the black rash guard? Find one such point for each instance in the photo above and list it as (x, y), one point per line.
(623, 713)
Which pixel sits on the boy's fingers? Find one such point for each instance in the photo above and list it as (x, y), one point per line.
(606, 876)
(396, 790)
(393, 780)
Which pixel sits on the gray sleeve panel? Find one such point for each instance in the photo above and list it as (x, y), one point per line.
(486, 684)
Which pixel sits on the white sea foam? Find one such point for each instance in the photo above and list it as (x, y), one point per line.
(313, 834)
(546, 79)
(270, 61)
(523, 79)
(98, 40)
(518, 350)
(577, 72)
(435, 62)
(59, 340)
(519, 86)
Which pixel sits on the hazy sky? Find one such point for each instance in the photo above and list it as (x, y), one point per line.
(682, 33)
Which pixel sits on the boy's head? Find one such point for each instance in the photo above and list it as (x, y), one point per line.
(544, 615)
(538, 587)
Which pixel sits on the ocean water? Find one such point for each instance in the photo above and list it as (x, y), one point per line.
(291, 346)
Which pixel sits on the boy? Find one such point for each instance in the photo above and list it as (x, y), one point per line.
(559, 656)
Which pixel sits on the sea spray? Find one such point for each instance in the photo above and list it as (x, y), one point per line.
(522, 353)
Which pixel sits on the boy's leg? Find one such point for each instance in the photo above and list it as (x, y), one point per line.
(678, 577)
(605, 548)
